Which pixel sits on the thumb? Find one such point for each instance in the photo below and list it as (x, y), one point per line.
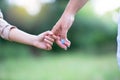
(63, 38)
(66, 42)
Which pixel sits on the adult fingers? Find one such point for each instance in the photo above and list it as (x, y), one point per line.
(56, 28)
(67, 43)
(59, 43)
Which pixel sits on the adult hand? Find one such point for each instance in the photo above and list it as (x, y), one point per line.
(61, 28)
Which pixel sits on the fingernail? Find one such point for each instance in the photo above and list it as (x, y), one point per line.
(65, 48)
(62, 41)
(69, 46)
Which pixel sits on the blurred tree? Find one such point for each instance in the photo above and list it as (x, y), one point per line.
(89, 30)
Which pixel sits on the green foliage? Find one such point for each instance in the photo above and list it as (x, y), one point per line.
(89, 31)
(13, 50)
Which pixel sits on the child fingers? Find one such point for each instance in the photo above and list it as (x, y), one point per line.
(49, 38)
(46, 33)
(49, 33)
(54, 37)
(48, 41)
(49, 47)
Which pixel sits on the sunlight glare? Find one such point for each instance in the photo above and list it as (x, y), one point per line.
(33, 7)
(103, 6)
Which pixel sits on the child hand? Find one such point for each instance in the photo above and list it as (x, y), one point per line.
(44, 40)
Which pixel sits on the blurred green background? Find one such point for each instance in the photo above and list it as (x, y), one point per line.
(92, 55)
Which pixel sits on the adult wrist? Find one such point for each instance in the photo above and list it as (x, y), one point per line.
(68, 16)
(69, 13)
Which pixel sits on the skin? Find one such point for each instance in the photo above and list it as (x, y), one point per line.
(65, 22)
(43, 41)
(46, 39)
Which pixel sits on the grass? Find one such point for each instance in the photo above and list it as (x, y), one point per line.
(61, 67)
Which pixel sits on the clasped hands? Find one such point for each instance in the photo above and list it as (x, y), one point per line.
(58, 34)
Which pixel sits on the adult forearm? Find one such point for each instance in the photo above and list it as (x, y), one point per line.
(65, 22)
(74, 6)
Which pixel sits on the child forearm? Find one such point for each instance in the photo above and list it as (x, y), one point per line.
(17, 35)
